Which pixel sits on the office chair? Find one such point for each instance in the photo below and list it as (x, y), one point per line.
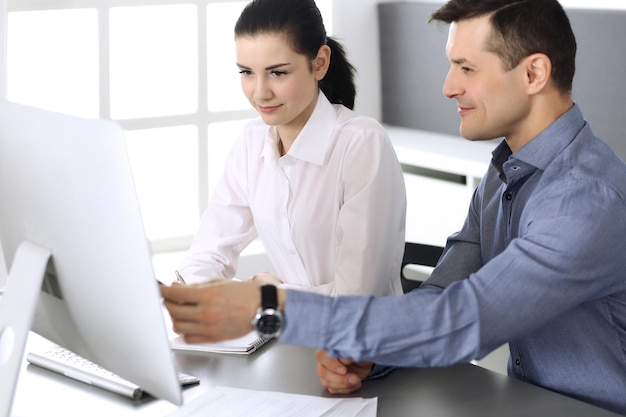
(417, 254)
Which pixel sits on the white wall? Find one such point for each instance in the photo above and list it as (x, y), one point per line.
(355, 24)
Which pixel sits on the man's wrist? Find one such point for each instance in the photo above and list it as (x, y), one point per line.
(282, 298)
(268, 320)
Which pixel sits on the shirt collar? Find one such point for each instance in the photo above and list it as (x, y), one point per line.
(313, 143)
(542, 150)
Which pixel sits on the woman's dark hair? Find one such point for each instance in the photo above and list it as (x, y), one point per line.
(522, 28)
(301, 22)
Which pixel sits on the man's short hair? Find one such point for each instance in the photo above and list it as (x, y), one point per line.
(521, 28)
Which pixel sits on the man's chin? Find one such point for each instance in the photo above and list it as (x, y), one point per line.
(468, 134)
(475, 136)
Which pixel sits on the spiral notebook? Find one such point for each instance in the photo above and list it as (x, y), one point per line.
(244, 345)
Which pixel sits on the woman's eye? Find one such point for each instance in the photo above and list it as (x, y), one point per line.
(278, 73)
(245, 72)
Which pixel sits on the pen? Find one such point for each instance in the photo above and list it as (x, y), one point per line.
(179, 277)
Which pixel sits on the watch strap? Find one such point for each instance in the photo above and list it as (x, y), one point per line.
(269, 297)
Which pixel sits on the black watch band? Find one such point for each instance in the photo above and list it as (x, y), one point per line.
(269, 297)
(268, 320)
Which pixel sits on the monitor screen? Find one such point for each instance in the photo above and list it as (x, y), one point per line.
(66, 185)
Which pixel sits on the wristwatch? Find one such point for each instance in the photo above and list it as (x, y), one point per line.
(268, 321)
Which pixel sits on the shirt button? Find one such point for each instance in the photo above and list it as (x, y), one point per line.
(509, 197)
(518, 362)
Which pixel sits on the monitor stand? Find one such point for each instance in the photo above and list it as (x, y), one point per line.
(17, 308)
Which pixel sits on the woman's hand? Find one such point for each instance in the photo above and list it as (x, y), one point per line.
(266, 278)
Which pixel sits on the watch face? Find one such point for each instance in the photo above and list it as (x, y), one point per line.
(269, 323)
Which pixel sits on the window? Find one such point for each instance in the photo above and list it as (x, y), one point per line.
(164, 70)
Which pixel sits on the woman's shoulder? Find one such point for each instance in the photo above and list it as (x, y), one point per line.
(346, 115)
(349, 121)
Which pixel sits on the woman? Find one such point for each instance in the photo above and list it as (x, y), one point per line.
(320, 185)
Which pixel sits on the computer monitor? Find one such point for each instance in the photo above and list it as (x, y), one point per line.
(4, 274)
(66, 186)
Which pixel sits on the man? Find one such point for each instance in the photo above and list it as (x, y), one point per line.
(539, 262)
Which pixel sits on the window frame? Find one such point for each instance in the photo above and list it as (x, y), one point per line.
(201, 118)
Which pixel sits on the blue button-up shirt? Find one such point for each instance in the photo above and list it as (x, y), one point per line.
(540, 263)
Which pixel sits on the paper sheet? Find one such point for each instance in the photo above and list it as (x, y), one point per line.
(236, 402)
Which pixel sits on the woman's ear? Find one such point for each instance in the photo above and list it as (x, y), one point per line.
(321, 62)
(538, 71)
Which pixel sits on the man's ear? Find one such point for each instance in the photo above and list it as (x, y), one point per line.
(321, 62)
(538, 69)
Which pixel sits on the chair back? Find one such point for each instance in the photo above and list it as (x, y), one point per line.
(418, 254)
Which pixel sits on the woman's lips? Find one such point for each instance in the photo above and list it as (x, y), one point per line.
(267, 109)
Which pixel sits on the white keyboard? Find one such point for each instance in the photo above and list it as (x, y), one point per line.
(72, 365)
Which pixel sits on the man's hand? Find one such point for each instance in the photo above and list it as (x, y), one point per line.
(212, 311)
(341, 376)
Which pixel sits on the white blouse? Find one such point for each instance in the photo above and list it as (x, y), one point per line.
(330, 213)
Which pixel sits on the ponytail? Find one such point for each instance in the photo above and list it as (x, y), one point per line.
(338, 84)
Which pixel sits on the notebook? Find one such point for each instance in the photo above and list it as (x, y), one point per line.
(63, 361)
(244, 345)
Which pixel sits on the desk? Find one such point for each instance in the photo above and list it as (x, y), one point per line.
(465, 390)
(441, 152)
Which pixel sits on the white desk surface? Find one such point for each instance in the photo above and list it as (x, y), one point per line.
(465, 390)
